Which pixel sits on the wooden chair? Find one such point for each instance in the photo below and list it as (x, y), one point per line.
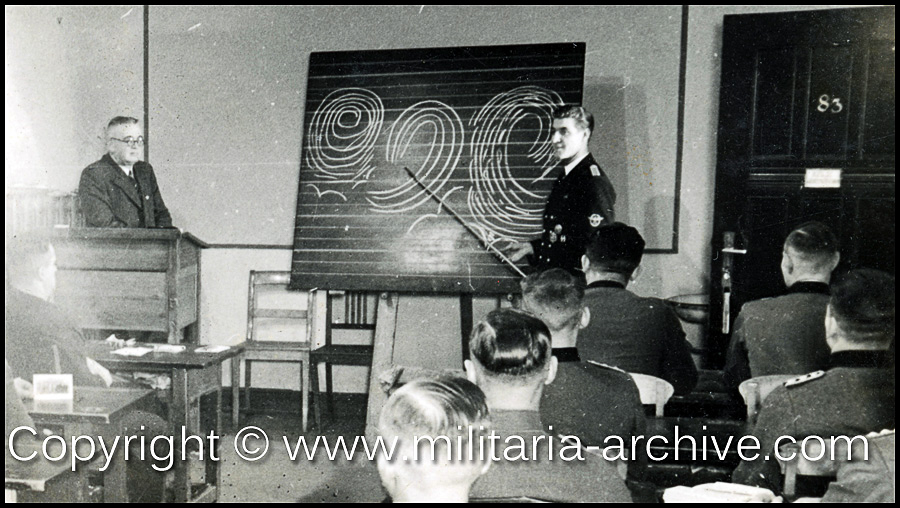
(654, 391)
(796, 463)
(755, 390)
(355, 317)
(292, 351)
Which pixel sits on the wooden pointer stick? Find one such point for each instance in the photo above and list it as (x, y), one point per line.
(456, 216)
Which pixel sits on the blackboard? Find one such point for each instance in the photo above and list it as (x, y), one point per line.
(473, 125)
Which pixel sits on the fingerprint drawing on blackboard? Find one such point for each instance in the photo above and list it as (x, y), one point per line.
(428, 138)
(343, 133)
(503, 201)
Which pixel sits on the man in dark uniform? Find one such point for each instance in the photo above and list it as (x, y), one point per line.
(786, 334)
(582, 198)
(636, 334)
(511, 362)
(854, 397)
(120, 190)
(590, 400)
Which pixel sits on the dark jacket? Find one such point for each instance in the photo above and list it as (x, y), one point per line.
(636, 334)
(110, 199)
(578, 203)
(855, 396)
(782, 335)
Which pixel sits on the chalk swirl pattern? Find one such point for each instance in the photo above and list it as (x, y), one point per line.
(428, 138)
(503, 204)
(343, 133)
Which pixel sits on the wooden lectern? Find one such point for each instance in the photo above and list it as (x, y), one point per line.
(131, 279)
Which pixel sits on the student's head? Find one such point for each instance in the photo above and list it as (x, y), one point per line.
(811, 253)
(572, 128)
(439, 411)
(557, 298)
(31, 264)
(124, 140)
(860, 313)
(511, 359)
(613, 252)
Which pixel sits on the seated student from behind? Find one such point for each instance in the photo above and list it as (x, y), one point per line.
(590, 400)
(636, 334)
(511, 361)
(854, 396)
(439, 413)
(786, 334)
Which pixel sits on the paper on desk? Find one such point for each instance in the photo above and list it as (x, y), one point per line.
(212, 349)
(133, 351)
(168, 348)
(719, 492)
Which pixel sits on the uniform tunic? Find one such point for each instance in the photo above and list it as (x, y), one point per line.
(782, 335)
(578, 203)
(855, 396)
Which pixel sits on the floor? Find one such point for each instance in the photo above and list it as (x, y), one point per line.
(276, 478)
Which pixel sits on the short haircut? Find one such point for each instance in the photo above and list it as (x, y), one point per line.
(814, 243)
(555, 296)
(616, 248)
(862, 302)
(582, 117)
(26, 254)
(447, 406)
(511, 343)
(120, 120)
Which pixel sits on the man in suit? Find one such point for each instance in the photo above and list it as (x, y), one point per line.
(855, 396)
(786, 334)
(511, 361)
(581, 200)
(636, 334)
(42, 339)
(590, 400)
(867, 479)
(120, 190)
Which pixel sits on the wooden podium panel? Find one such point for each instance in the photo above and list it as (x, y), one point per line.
(130, 279)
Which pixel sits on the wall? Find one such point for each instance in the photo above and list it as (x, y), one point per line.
(68, 71)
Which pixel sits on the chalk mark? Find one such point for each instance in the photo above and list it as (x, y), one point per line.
(319, 193)
(420, 219)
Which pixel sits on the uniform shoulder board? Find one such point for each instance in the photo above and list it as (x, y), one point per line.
(605, 366)
(797, 381)
(595, 170)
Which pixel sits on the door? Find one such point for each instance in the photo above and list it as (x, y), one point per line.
(806, 132)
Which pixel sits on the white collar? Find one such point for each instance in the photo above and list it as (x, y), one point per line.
(570, 166)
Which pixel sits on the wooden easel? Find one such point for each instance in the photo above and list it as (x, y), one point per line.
(385, 342)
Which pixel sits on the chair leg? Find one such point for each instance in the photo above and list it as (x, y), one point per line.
(317, 401)
(304, 391)
(247, 367)
(329, 388)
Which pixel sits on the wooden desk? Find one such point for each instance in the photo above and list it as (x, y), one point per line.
(131, 279)
(186, 370)
(95, 412)
(42, 481)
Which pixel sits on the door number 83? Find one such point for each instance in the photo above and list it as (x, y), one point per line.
(832, 104)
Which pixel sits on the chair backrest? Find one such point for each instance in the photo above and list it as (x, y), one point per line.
(654, 391)
(274, 284)
(793, 462)
(755, 390)
(350, 310)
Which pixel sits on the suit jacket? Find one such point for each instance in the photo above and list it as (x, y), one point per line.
(636, 334)
(578, 204)
(110, 199)
(41, 339)
(854, 397)
(783, 335)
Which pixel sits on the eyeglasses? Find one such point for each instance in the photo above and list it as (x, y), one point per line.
(132, 142)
